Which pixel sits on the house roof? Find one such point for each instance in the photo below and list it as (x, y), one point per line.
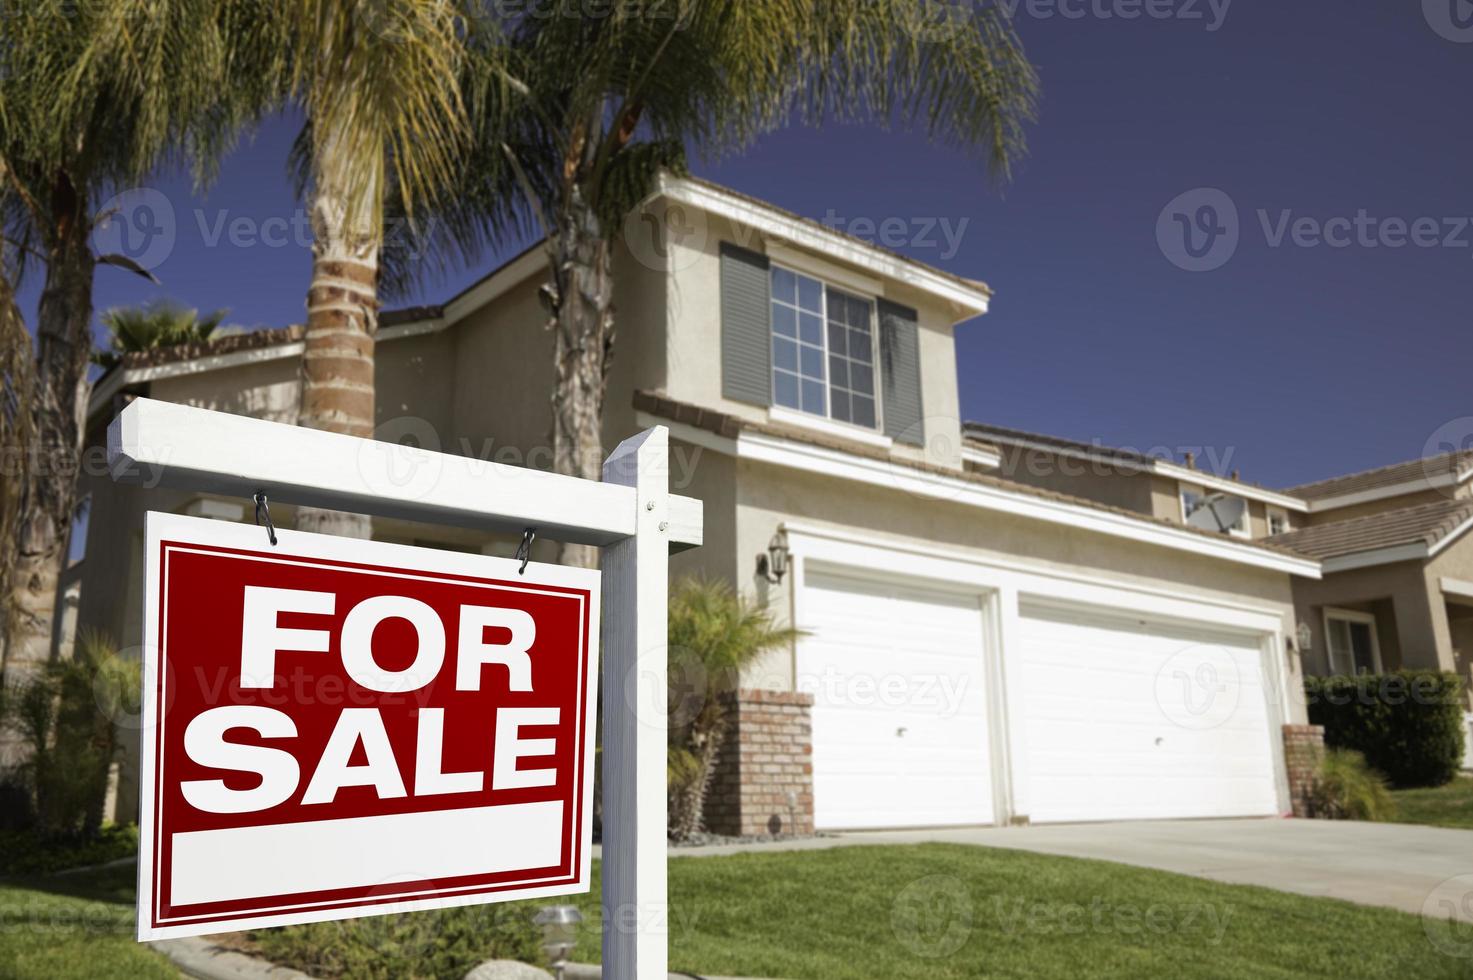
(731, 426)
(1430, 471)
(1427, 525)
(1128, 459)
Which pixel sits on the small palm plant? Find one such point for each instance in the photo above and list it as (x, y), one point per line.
(714, 632)
(163, 323)
(1348, 789)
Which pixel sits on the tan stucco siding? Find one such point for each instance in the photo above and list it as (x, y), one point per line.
(1315, 517)
(768, 496)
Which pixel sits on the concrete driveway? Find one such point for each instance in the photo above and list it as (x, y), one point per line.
(1401, 866)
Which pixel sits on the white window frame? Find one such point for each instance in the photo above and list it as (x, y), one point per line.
(826, 421)
(1270, 514)
(1351, 616)
(1183, 488)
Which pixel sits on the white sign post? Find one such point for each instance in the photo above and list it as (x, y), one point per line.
(631, 515)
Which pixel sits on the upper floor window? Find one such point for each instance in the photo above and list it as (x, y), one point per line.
(1278, 522)
(823, 349)
(1214, 512)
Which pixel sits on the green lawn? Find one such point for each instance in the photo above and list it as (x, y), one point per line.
(74, 926)
(941, 911)
(1445, 806)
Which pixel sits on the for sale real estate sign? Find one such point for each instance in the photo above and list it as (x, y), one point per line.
(336, 728)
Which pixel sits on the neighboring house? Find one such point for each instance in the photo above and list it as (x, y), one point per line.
(974, 650)
(1397, 562)
(1397, 589)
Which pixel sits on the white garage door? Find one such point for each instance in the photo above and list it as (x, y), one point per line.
(1129, 720)
(900, 708)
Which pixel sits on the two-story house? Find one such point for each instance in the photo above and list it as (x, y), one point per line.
(1396, 588)
(974, 650)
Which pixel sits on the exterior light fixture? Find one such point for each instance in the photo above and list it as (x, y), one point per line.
(1305, 636)
(559, 924)
(773, 563)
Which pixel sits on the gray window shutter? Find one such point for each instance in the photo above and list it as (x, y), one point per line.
(746, 326)
(900, 373)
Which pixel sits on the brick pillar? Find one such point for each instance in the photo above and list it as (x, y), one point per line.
(764, 771)
(1304, 747)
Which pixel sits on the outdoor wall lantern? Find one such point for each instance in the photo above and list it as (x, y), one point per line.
(1305, 636)
(773, 563)
(559, 933)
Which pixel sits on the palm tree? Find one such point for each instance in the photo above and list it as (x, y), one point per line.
(162, 323)
(380, 85)
(93, 97)
(609, 95)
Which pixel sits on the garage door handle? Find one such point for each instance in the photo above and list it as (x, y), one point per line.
(900, 732)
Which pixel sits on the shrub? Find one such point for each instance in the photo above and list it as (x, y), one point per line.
(444, 943)
(714, 632)
(1347, 789)
(26, 852)
(65, 719)
(1407, 724)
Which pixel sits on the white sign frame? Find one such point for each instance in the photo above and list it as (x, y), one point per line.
(630, 514)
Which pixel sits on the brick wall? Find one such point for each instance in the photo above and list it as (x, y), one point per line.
(764, 771)
(1304, 747)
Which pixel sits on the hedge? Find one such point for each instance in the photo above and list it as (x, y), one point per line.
(1408, 724)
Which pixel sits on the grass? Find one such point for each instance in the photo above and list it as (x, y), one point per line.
(943, 911)
(1444, 806)
(61, 927)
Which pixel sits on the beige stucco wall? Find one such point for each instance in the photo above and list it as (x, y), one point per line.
(1432, 496)
(768, 496)
(1404, 586)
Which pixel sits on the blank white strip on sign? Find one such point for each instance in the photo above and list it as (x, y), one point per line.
(288, 858)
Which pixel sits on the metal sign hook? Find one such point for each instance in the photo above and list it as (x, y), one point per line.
(263, 513)
(524, 550)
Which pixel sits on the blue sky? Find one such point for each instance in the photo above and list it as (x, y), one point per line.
(1318, 346)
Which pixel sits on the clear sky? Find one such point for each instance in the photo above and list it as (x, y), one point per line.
(1327, 331)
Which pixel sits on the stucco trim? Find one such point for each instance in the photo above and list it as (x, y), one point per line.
(764, 448)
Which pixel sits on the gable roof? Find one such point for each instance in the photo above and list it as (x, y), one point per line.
(1410, 477)
(733, 427)
(1395, 535)
(1129, 459)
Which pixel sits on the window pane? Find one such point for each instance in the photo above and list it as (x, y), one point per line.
(839, 405)
(785, 389)
(784, 354)
(1360, 646)
(838, 372)
(784, 320)
(784, 285)
(812, 362)
(859, 346)
(862, 379)
(863, 411)
(836, 338)
(813, 397)
(1338, 642)
(810, 294)
(810, 329)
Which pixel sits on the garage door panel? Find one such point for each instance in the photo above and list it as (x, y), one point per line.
(900, 707)
(1125, 719)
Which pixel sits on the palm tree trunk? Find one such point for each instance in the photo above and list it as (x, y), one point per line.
(342, 319)
(583, 322)
(49, 494)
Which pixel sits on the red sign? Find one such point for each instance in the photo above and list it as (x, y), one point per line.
(336, 728)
